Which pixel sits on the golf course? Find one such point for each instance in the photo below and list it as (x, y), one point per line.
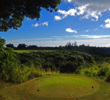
(57, 87)
(54, 49)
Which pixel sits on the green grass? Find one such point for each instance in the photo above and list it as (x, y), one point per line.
(28, 51)
(58, 87)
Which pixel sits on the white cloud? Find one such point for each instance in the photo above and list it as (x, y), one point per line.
(35, 25)
(94, 5)
(96, 29)
(93, 14)
(82, 9)
(87, 30)
(71, 12)
(91, 42)
(41, 24)
(92, 36)
(102, 26)
(94, 9)
(107, 25)
(57, 18)
(44, 24)
(70, 30)
(69, 1)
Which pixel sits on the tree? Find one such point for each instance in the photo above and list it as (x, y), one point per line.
(75, 44)
(21, 46)
(12, 12)
(32, 47)
(69, 45)
(2, 43)
(10, 45)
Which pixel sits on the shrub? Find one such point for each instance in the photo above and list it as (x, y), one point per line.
(104, 69)
(93, 71)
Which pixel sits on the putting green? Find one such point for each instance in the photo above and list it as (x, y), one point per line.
(63, 86)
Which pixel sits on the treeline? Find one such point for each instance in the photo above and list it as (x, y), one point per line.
(104, 51)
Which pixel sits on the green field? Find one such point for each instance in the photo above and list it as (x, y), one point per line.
(57, 87)
(28, 51)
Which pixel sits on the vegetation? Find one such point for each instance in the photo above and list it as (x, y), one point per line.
(18, 66)
(29, 51)
(12, 12)
(13, 70)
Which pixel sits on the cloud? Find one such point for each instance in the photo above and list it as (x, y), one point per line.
(92, 36)
(36, 25)
(57, 18)
(82, 9)
(87, 30)
(94, 9)
(70, 30)
(94, 5)
(102, 26)
(91, 42)
(107, 25)
(93, 14)
(45, 24)
(96, 29)
(69, 1)
(71, 12)
(41, 24)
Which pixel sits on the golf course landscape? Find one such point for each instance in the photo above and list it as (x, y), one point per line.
(58, 87)
(54, 49)
(54, 75)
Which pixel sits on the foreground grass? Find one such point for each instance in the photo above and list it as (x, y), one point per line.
(58, 87)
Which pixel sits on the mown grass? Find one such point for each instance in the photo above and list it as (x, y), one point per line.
(58, 87)
(63, 86)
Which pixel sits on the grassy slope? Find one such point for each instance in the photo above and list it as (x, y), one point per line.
(3, 86)
(70, 87)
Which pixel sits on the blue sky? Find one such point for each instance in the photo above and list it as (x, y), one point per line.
(83, 21)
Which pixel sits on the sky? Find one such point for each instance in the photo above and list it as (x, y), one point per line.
(82, 21)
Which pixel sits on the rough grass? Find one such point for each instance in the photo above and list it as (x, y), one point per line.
(58, 87)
